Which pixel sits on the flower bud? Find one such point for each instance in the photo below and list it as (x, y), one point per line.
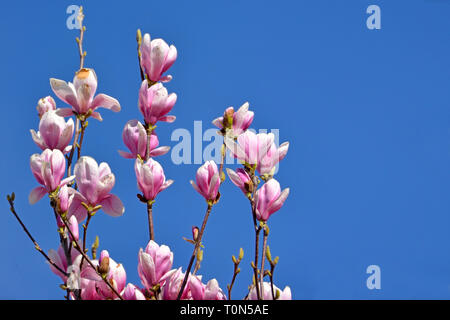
(269, 199)
(45, 104)
(150, 178)
(207, 181)
(103, 267)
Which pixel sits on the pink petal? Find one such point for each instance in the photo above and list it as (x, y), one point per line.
(36, 194)
(65, 92)
(159, 151)
(105, 101)
(97, 115)
(126, 155)
(37, 139)
(112, 206)
(169, 119)
(64, 112)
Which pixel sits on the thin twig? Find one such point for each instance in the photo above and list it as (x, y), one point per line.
(194, 253)
(85, 228)
(83, 128)
(36, 245)
(74, 146)
(236, 271)
(77, 247)
(139, 42)
(150, 220)
(82, 53)
(266, 234)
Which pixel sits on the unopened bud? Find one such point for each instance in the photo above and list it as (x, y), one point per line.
(234, 259)
(228, 118)
(268, 255)
(241, 254)
(277, 294)
(195, 231)
(200, 255)
(103, 267)
(95, 247)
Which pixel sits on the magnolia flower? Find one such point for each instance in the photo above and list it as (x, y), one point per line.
(45, 104)
(208, 181)
(234, 123)
(113, 272)
(134, 136)
(64, 198)
(80, 95)
(54, 132)
(172, 285)
(150, 178)
(48, 168)
(156, 58)
(59, 258)
(266, 164)
(269, 199)
(73, 227)
(250, 147)
(131, 292)
(94, 185)
(241, 179)
(153, 264)
(210, 291)
(267, 293)
(89, 289)
(155, 103)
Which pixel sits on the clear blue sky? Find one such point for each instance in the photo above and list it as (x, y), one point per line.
(366, 113)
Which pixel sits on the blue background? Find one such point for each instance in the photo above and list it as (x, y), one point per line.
(366, 113)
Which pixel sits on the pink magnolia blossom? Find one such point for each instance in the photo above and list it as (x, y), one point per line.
(153, 264)
(64, 198)
(131, 292)
(241, 179)
(45, 104)
(113, 272)
(150, 178)
(80, 95)
(94, 186)
(89, 289)
(172, 285)
(54, 132)
(155, 103)
(210, 291)
(235, 123)
(269, 199)
(267, 293)
(59, 258)
(207, 181)
(266, 165)
(73, 226)
(156, 58)
(134, 136)
(48, 168)
(250, 147)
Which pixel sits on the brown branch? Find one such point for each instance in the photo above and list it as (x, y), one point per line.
(150, 220)
(74, 145)
(266, 234)
(194, 253)
(139, 42)
(77, 247)
(79, 40)
(236, 271)
(36, 245)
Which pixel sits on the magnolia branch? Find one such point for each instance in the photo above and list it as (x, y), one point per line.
(36, 245)
(194, 253)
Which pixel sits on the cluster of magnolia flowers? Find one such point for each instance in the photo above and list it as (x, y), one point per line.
(77, 195)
